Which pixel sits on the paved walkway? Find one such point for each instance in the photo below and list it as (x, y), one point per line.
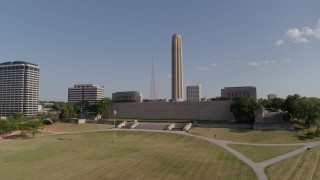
(257, 167)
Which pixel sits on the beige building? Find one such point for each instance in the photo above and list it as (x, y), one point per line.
(245, 91)
(193, 92)
(85, 92)
(177, 74)
(127, 96)
(19, 88)
(272, 96)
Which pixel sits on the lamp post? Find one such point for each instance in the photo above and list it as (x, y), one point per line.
(114, 129)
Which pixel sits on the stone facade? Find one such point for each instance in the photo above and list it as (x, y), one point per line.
(245, 91)
(209, 110)
(177, 75)
(265, 120)
(127, 96)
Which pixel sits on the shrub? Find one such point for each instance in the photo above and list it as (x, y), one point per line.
(310, 134)
(287, 117)
(317, 133)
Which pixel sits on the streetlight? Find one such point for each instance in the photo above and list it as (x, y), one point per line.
(114, 129)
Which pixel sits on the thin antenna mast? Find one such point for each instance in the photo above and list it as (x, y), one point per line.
(153, 93)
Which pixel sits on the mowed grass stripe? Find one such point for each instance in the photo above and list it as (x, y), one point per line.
(181, 161)
(67, 127)
(201, 169)
(302, 166)
(316, 174)
(138, 155)
(161, 158)
(313, 168)
(188, 170)
(250, 136)
(262, 153)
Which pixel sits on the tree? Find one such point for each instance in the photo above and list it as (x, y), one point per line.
(67, 111)
(81, 106)
(3, 126)
(265, 103)
(291, 105)
(309, 111)
(32, 127)
(276, 104)
(101, 107)
(18, 116)
(244, 109)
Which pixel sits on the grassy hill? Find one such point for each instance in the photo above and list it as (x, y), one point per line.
(138, 155)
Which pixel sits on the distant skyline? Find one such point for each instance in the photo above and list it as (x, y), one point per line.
(273, 45)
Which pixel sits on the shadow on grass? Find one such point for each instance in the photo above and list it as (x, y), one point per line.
(239, 130)
(17, 136)
(303, 138)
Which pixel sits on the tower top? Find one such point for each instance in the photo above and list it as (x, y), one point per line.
(177, 35)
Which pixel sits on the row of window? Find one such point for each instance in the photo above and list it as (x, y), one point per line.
(18, 68)
(238, 94)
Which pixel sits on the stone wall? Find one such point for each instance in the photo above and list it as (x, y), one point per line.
(207, 110)
(233, 126)
(283, 126)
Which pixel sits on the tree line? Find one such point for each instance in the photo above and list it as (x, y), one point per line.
(59, 110)
(19, 122)
(305, 110)
(74, 110)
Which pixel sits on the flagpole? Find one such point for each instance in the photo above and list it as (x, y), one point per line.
(114, 129)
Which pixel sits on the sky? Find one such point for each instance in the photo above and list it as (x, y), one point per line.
(273, 45)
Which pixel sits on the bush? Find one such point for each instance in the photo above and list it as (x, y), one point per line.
(310, 134)
(317, 133)
(287, 117)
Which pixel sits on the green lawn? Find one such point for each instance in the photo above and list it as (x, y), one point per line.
(150, 120)
(262, 153)
(67, 127)
(138, 155)
(302, 166)
(250, 136)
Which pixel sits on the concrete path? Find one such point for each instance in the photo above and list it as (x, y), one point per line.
(258, 168)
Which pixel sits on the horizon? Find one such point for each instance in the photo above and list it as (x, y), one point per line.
(270, 45)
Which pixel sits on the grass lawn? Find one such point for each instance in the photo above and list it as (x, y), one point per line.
(262, 153)
(151, 120)
(138, 155)
(67, 127)
(302, 166)
(250, 136)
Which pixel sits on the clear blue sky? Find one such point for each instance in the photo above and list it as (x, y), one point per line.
(273, 45)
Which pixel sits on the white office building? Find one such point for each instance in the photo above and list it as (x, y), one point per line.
(19, 88)
(193, 92)
(85, 92)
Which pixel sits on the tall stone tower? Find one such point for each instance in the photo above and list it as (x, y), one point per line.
(177, 79)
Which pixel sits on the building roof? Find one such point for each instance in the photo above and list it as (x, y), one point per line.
(17, 62)
(240, 87)
(188, 85)
(86, 85)
(177, 35)
(127, 92)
